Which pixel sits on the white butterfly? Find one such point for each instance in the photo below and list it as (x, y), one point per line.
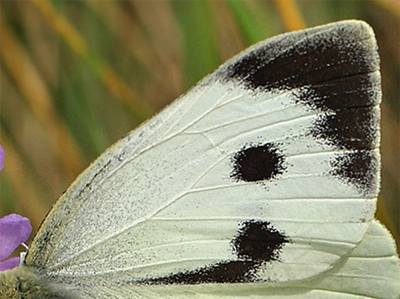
(260, 181)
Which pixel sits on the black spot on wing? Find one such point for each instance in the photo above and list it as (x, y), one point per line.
(254, 163)
(257, 242)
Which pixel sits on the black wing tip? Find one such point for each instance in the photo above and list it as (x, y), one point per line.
(307, 57)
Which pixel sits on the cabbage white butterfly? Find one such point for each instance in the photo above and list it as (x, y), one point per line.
(262, 180)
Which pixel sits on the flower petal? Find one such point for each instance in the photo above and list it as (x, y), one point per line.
(14, 230)
(9, 264)
(2, 154)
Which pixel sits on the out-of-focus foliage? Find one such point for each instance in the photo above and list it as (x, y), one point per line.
(78, 75)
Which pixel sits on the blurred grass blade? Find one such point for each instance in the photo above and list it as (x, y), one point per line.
(73, 39)
(252, 23)
(39, 100)
(201, 55)
(290, 15)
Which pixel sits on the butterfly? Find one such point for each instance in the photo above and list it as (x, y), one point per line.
(260, 181)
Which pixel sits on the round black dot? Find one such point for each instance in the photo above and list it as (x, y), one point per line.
(257, 163)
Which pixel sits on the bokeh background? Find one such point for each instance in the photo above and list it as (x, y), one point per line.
(78, 75)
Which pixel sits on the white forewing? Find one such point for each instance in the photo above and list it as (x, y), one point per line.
(183, 200)
(162, 190)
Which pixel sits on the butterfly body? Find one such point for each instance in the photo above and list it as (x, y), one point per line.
(261, 180)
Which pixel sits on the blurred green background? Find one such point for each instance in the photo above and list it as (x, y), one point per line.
(78, 75)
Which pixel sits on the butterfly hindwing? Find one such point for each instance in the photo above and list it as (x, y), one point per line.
(266, 171)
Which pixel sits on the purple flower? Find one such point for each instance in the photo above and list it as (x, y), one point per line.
(2, 154)
(14, 230)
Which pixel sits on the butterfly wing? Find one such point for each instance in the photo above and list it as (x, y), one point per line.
(266, 171)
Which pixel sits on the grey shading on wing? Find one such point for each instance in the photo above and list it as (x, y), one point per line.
(265, 172)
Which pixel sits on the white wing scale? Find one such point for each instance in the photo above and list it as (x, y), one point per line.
(178, 200)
